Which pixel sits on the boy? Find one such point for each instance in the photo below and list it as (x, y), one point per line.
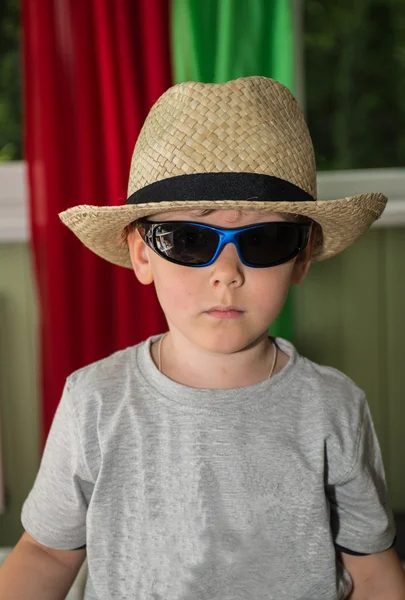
(214, 462)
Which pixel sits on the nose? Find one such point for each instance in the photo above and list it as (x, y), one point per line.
(227, 270)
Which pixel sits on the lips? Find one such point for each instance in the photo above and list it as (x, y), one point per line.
(224, 309)
(225, 312)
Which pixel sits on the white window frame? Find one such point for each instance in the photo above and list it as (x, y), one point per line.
(14, 223)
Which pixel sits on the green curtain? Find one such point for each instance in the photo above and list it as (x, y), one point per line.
(217, 40)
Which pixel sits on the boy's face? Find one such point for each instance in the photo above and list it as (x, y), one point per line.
(188, 295)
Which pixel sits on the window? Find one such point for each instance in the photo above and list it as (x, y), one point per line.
(354, 71)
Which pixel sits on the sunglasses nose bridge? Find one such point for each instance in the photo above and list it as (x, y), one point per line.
(225, 238)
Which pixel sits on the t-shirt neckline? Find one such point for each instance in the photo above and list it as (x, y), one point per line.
(250, 398)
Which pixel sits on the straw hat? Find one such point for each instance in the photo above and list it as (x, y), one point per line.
(243, 144)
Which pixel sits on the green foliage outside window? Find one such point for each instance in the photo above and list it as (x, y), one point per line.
(10, 81)
(355, 82)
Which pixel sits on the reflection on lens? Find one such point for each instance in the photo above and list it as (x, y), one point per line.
(186, 243)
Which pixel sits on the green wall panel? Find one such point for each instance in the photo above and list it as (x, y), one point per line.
(394, 400)
(349, 314)
(19, 398)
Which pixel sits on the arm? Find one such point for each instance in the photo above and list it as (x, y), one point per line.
(377, 576)
(37, 572)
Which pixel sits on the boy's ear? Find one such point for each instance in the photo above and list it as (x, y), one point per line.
(303, 261)
(139, 254)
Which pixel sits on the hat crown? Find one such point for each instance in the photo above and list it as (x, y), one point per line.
(251, 124)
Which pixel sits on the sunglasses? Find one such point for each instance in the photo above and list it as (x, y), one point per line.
(197, 245)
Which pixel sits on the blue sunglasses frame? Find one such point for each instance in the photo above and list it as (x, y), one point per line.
(147, 230)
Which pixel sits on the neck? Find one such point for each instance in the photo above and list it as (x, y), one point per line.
(189, 364)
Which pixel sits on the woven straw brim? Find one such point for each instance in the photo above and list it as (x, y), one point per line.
(102, 228)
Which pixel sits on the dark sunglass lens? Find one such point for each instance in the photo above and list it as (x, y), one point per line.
(185, 243)
(271, 243)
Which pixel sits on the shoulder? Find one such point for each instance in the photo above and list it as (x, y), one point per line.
(342, 406)
(343, 403)
(342, 399)
(98, 396)
(104, 383)
(327, 399)
(102, 373)
(338, 391)
(335, 390)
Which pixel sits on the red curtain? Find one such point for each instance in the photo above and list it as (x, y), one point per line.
(92, 70)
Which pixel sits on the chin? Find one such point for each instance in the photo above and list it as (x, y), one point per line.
(225, 342)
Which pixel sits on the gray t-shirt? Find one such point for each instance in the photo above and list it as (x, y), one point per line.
(182, 493)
